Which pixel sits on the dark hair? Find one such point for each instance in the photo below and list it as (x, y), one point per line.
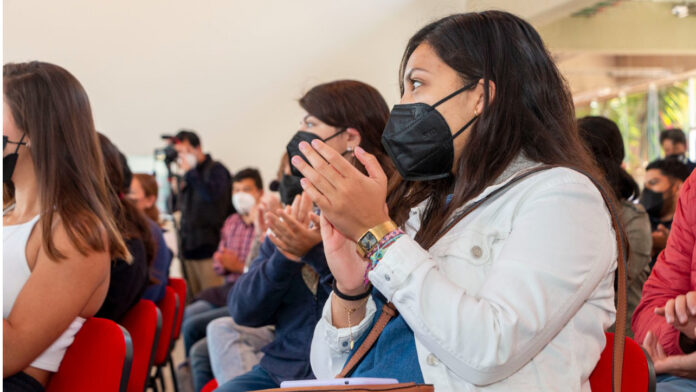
(671, 167)
(603, 138)
(129, 220)
(150, 188)
(249, 172)
(187, 135)
(532, 113)
(52, 108)
(352, 104)
(676, 135)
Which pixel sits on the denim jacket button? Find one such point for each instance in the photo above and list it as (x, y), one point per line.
(477, 252)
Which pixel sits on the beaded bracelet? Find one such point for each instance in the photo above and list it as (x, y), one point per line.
(378, 252)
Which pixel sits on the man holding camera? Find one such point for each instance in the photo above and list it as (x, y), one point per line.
(205, 203)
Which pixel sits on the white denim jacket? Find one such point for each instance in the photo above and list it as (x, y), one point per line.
(516, 297)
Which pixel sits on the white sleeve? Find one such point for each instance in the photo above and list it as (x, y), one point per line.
(331, 345)
(559, 249)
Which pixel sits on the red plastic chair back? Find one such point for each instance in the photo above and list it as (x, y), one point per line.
(210, 386)
(99, 359)
(143, 322)
(638, 371)
(169, 306)
(179, 286)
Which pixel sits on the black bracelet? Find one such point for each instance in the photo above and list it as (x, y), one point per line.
(349, 297)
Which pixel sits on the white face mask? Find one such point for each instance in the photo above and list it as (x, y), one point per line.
(190, 159)
(243, 202)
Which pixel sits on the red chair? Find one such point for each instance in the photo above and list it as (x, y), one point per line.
(179, 286)
(99, 359)
(169, 306)
(144, 322)
(638, 371)
(210, 387)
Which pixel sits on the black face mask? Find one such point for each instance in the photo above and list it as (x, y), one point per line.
(10, 160)
(419, 141)
(288, 188)
(653, 202)
(293, 146)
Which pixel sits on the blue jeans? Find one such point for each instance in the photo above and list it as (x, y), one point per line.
(669, 383)
(196, 319)
(255, 380)
(201, 371)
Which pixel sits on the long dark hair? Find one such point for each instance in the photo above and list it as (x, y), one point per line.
(352, 104)
(52, 108)
(131, 222)
(604, 140)
(532, 112)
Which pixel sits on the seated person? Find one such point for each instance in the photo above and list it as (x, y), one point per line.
(604, 140)
(143, 193)
(129, 277)
(665, 320)
(59, 233)
(673, 142)
(288, 284)
(239, 347)
(229, 260)
(663, 179)
(512, 296)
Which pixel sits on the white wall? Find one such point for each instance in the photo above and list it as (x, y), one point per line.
(232, 70)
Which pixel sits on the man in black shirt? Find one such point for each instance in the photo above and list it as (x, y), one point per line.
(205, 203)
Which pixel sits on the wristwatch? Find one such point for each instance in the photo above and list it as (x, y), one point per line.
(373, 236)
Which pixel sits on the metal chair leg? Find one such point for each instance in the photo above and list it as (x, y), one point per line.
(152, 382)
(172, 372)
(160, 377)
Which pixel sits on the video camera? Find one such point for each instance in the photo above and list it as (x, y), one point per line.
(167, 154)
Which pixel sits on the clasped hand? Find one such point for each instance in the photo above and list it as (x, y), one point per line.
(680, 313)
(350, 203)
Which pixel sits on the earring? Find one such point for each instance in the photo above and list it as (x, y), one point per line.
(475, 112)
(350, 149)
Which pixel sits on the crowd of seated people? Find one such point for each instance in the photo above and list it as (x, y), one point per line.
(495, 267)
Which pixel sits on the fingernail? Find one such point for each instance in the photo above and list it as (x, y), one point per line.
(359, 150)
(304, 183)
(296, 160)
(303, 146)
(315, 143)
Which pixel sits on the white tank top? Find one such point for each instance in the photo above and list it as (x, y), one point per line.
(15, 272)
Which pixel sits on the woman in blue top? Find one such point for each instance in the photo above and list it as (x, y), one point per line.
(143, 193)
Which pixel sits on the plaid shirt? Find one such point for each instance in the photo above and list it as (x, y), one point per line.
(237, 236)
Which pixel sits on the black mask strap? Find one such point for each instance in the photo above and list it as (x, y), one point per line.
(468, 86)
(459, 132)
(334, 135)
(6, 141)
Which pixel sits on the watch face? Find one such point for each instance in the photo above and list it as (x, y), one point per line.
(368, 241)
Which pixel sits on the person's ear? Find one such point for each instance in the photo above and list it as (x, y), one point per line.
(353, 140)
(480, 98)
(151, 200)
